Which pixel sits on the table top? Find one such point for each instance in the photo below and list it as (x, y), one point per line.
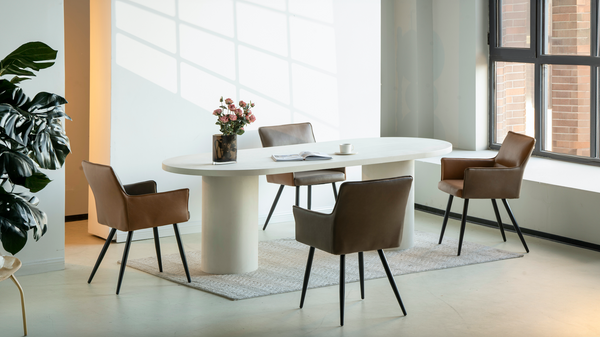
(258, 161)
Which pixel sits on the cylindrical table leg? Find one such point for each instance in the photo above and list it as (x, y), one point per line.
(229, 224)
(22, 303)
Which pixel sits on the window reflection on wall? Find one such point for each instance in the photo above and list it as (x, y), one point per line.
(280, 54)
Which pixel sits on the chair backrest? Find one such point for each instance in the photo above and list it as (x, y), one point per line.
(369, 215)
(109, 195)
(287, 134)
(515, 150)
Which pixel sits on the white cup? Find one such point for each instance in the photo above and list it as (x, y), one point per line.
(346, 148)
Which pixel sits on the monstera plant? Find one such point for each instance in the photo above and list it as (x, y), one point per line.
(31, 137)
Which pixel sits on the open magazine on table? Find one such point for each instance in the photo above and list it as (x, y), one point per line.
(304, 155)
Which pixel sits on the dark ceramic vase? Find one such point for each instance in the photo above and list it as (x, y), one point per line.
(224, 149)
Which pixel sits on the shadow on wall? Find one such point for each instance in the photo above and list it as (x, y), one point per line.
(407, 82)
(280, 55)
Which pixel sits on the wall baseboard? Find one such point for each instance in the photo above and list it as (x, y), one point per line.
(41, 266)
(510, 228)
(76, 217)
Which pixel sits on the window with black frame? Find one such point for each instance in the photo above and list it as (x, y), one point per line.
(544, 62)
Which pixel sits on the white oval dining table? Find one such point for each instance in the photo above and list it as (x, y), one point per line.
(230, 192)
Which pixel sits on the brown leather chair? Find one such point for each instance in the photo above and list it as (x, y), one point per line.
(132, 207)
(289, 134)
(490, 178)
(368, 215)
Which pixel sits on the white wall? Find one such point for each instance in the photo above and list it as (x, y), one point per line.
(42, 21)
(298, 60)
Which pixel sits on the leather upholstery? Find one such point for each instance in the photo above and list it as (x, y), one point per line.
(290, 134)
(135, 206)
(494, 178)
(368, 215)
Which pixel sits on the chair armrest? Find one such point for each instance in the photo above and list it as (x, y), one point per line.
(157, 209)
(143, 187)
(492, 182)
(454, 168)
(314, 229)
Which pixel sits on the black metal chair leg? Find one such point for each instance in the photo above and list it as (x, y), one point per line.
(446, 217)
(499, 219)
(463, 224)
(514, 221)
(309, 201)
(298, 196)
(273, 206)
(361, 273)
(342, 287)
(311, 254)
(334, 190)
(182, 252)
(102, 252)
(124, 260)
(388, 272)
(157, 246)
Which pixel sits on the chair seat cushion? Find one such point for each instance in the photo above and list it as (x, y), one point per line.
(452, 186)
(318, 177)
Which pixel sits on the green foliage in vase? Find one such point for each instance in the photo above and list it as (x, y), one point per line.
(31, 137)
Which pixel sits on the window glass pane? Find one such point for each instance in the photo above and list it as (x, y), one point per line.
(514, 23)
(567, 111)
(567, 27)
(514, 99)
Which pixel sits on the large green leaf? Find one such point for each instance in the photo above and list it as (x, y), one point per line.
(14, 125)
(21, 170)
(17, 216)
(26, 59)
(13, 235)
(12, 94)
(51, 145)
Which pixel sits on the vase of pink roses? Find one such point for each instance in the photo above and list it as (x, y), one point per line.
(231, 120)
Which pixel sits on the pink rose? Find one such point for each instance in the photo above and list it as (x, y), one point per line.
(232, 107)
(252, 105)
(228, 101)
(242, 104)
(224, 119)
(217, 112)
(232, 117)
(252, 118)
(239, 112)
(249, 112)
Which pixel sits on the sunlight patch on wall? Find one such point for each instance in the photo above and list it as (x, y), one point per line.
(147, 26)
(313, 44)
(315, 94)
(203, 89)
(207, 50)
(264, 73)
(163, 6)
(268, 111)
(147, 62)
(321, 10)
(268, 33)
(216, 16)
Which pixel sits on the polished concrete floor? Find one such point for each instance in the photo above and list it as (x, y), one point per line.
(552, 291)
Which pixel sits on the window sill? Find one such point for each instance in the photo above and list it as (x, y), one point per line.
(543, 170)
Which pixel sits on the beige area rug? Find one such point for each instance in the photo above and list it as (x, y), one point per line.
(282, 264)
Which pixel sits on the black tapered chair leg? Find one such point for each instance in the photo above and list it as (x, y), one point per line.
(463, 224)
(450, 198)
(334, 190)
(390, 277)
(298, 196)
(157, 246)
(273, 206)
(182, 253)
(361, 273)
(124, 260)
(102, 252)
(311, 254)
(342, 287)
(499, 219)
(514, 221)
(309, 201)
